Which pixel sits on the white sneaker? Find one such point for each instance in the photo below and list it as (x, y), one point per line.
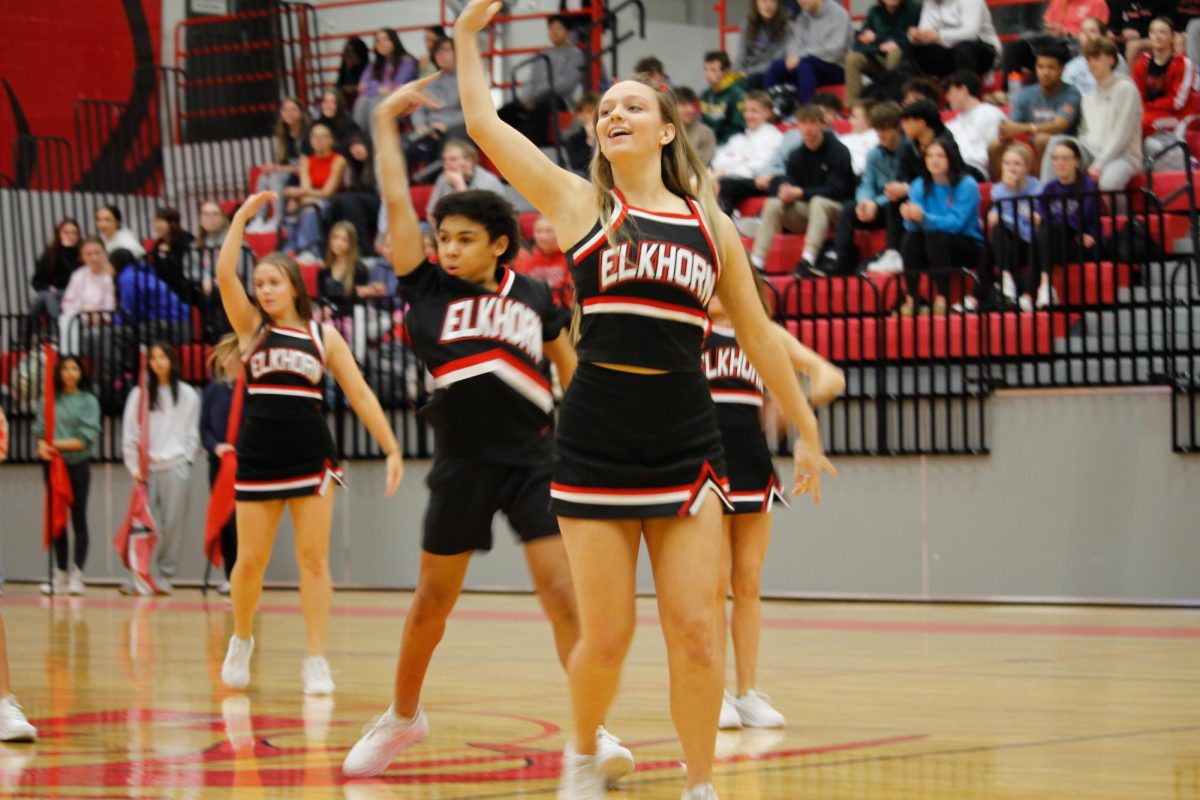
(314, 671)
(703, 791)
(730, 719)
(580, 780)
(1025, 304)
(615, 761)
(13, 725)
(1008, 287)
(58, 584)
(385, 740)
(889, 263)
(1043, 296)
(235, 672)
(969, 304)
(223, 589)
(756, 711)
(75, 584)
(261, 225)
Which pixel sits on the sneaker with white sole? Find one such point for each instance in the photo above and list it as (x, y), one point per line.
(703, 791)
(1008, 287)
(889, 263)
(59, 583)
(13, 725)
(75, 583)
(387, 738)
(581, 780)
(615, 761)
(314, 671)
(1045, 296)
(730, 719)
(756, 711)
(1025, 304)
(235, 672)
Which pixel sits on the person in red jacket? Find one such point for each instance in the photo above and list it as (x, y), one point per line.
(1166, 80)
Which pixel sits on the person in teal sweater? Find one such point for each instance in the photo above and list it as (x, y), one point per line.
(881, 43)
(941, 220)
(76, 431)
(721, 104)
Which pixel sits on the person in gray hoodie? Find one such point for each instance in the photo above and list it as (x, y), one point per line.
(434, 125)
(816, 50)
(547, 89)
(764, 39)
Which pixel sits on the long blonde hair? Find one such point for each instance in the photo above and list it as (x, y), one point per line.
(227, 346)
(683, 173)
(351, 257)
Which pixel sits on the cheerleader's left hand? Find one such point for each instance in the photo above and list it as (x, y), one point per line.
(395, 472)
(810, 462)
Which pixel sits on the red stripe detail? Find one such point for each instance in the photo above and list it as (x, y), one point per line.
(495, 354)
(603, 236)
(638, 301)
(707, 473)
(631, 492)
(716, 257)
(309, 388)
(745, 392)
(506, 282)
(293, 479)
(625, 203)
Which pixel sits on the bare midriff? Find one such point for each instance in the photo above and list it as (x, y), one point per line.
(630, 368)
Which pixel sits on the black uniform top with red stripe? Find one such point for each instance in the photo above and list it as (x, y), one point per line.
(285, 372)
(644, 301)
(484, 350)
(736, 388)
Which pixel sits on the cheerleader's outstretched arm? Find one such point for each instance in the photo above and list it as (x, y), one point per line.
(242, 314)
(404, 228)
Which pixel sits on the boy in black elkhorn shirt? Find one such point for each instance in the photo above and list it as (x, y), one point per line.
(484, 333)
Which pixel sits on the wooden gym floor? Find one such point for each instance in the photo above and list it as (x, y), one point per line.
(883, 701)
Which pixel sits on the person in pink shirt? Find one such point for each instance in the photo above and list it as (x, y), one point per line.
(1060, 22)
(90, 293)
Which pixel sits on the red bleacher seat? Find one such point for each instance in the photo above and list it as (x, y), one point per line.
(841, 126)
(8, 362)
(261, 243)
(310, 273)
(420, 199)
(230, 207)
(985, 198)
(193, 362)
(784, 255)
(525, 221)
(752, 206)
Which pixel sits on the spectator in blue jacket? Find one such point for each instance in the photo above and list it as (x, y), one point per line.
(146, 301)
(941, 220)
(1012, 223)
(868, 209)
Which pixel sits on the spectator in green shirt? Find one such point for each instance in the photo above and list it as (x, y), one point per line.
(76, 430)
(721, 103)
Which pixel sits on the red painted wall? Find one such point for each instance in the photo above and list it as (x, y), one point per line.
(53, 52)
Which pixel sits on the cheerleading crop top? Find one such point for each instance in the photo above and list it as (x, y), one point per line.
(644, 301)
(736, 388)
(285, 371)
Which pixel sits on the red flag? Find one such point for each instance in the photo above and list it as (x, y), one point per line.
(60, 497)
(136, 539)
(221, 498)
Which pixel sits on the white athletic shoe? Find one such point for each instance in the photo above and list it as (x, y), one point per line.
(13, 725)
(235, 672)
(1045, 296)
(756, 711)
(58, 583)
(75, 584)
(385, 740)
(580, 780)
(730, 719)
(1025, 304)
(615, 761)
(889, 263)
(704, 791)
(1008, 287)
(314, 671)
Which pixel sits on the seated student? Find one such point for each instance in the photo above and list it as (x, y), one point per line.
(831, 106)
(172, 249)
(431, 38)
(1011, 222)
(460, 172)
(580, 145)
(1129, 21)
(746, 154)
(343, 276)
(1076, 72)
(862, 138)
(542, 94)
(764, 37)
(291, 142)
(869, 208)
(921, 123)
(334, 114)
(915, 89)
(1069, 214)
(941, 223)
(651, 69)
(54, 268)
(1049, 108)
(808, 198)
(358, 203)
(816, 49)
(392, 66)
(1110, 132)
(147, 302)
(355, 56)
(88, 301)
(1167, 82)
(954, 35)
(1060, 25)
(880, 44)
(114, 234)
(546, 262)
(721, 102)
(703, 140)
(321, 175)
(434, 126)
(976, 124)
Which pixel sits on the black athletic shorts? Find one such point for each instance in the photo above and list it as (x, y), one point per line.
(464, 496)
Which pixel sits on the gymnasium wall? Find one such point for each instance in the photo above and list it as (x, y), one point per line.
(1080, 499)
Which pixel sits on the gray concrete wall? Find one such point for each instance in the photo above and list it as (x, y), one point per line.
(1080, 499)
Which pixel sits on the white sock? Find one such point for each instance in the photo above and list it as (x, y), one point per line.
(810, 257)
(757, 261)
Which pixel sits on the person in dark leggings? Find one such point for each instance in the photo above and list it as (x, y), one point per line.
(215, 403)
(76, 430)
(941, 220)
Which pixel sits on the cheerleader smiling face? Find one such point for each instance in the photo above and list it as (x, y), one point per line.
(274, 292)
(629, 121)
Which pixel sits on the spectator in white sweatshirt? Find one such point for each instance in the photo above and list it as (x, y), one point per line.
(1110, 129)
(112, 230)
(976, 124)
(954, 35)
(174, 432)
(746, 154)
